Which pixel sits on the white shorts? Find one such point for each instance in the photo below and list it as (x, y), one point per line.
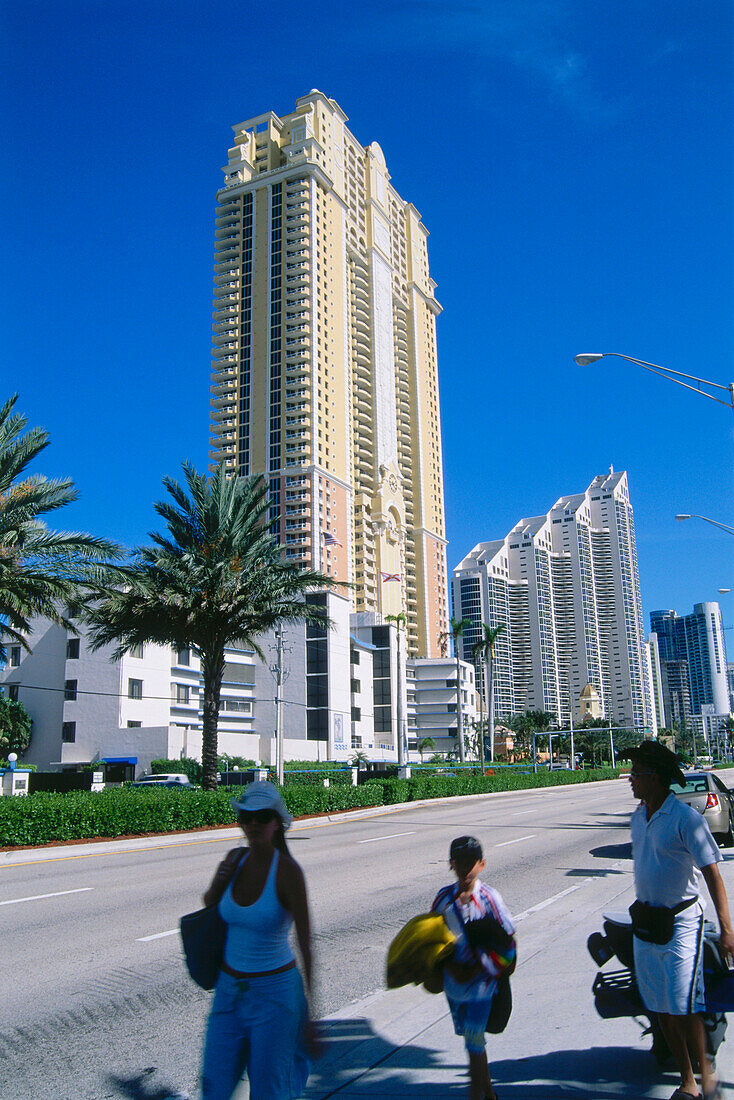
(670, 976)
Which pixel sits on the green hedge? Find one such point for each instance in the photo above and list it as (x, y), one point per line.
(79, 815)
(442, 786)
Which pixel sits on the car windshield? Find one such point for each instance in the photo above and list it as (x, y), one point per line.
(695, 784)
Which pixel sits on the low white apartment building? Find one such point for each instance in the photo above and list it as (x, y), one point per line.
(88, 707)
(340, 693)
(432, 709)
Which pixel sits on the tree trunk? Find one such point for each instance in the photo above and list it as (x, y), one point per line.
(212, 667)
(490, 707)
(459, 716)
(481, 718)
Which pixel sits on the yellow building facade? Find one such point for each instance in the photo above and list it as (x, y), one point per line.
(325, 375)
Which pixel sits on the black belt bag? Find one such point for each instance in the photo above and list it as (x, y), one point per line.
(654, 923)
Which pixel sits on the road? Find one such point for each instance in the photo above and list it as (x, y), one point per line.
(95, 999)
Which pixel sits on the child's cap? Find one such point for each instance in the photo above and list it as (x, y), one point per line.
(465, 848)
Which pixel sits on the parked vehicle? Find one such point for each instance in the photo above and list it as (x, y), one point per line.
(164, 780)
(707, 794)
(616, 993)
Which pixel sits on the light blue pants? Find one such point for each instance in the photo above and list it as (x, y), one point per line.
(256, 1027)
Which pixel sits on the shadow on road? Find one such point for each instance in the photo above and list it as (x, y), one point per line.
(612, 851)
(142, 1087)
(356, 1058)
(412, 1071)
(600, 1072)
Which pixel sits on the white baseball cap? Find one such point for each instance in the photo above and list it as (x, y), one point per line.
(263, 796)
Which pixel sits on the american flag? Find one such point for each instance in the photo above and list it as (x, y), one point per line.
(390, 576)
(329, 539)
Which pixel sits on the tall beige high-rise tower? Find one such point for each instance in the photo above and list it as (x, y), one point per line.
(325, 374)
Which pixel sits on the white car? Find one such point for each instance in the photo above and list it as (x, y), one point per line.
(170, 779)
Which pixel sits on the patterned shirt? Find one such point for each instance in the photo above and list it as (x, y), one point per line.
(484, 901)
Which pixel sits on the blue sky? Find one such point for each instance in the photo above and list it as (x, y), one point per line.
(572, 161)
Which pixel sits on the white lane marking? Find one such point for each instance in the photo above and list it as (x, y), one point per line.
(549, 901)
(562, 894)
(157, 936)
(389, 837)
(519, 813)
(515, 841)
(39, 897)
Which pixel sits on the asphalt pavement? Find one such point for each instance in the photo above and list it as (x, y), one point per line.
(119, 1001)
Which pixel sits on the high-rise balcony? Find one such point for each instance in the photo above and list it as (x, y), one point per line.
(224, 327)
(223, 398)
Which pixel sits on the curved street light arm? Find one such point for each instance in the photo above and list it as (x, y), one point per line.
(676, 375)
(706, 519)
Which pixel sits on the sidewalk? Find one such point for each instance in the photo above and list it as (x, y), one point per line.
(401, 1044)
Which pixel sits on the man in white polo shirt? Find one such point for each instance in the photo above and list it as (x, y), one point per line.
(671, 843)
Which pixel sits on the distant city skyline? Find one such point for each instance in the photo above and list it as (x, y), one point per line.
(573, 163)
(564, 585)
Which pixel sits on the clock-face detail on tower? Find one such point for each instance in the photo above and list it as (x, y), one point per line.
(392, 483)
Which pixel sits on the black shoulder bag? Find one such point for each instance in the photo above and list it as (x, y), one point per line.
(204, 935)
(487, 933)
(655, 923)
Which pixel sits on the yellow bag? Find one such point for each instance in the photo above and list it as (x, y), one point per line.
(418, 952)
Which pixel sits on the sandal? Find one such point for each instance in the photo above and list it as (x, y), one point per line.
(681, 1094)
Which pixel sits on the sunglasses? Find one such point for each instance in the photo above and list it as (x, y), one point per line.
(257, 817)
(634, 774)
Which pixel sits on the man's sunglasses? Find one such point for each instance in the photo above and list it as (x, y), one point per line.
(635, 774)
(258, 817)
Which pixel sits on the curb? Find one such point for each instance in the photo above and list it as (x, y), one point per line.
(199, 836)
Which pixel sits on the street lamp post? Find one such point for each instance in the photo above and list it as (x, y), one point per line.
(586, 358)
(714, 522)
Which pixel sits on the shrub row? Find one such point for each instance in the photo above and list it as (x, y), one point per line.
(78, 815)
(442, 786)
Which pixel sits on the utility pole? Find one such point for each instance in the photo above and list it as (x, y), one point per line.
(279, 704)
(280, 675)
(570, 719)
(399, 621)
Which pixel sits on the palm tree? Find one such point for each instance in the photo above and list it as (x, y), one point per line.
(425, 745)
(456, 629)
(401, 622)
(216, 579)
(484, 651)
(41, 570)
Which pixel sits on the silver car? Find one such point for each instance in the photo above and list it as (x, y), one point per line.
(707, 794)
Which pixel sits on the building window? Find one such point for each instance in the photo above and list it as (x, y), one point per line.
(136, 650)
(70, 689)
(13, 693)
(134, 725)
(68, 732)
(355, 686)
(241, 705)
(356, 714)
(135, 689)
(14, 656)
(182, 693)
(72, 649)
(183, 656)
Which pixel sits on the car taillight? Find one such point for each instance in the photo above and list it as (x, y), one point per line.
(712, 801)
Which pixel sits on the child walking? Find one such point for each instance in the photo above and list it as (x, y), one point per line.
(470, 977)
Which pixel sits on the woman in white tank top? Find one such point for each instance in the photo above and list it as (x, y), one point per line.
(259, 1022)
